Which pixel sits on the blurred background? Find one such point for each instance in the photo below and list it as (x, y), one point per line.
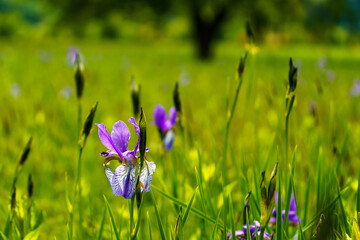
(202, 22)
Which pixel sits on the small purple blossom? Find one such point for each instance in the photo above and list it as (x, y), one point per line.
(45, 56)
(241, 234)
(71, 56)
(15, 90)
(330, 75)
(66, 92)
(321, 63)
(355, 89)
(293, 218)
(165, 124)
(122, 181)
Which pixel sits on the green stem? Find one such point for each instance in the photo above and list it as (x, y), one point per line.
(132, 212)
(136, 229)
(262, 231)
(78, 194)
(227, 129)
(79, 115)
(286, 136)
(228, 123)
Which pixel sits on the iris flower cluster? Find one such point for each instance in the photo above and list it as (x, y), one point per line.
(165, 125)
(293, 218)
(254, 231)
(122, 181)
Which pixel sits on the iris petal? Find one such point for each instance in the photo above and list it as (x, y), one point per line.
(107, 141)
(137, 130)
(172, 116)
(159, 115)
(123, 180)
(292, 204)
(169, 140)
(120, 135)
(146, 175)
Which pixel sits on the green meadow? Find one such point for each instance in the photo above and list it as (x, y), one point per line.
(207, 177)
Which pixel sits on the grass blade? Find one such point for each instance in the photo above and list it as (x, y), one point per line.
(187, 211)
(215, 226)
(343, 213)
(149, 225)
(279, 213)
(113, 223)
(231, 217)
(314, 219)
(177, 201)
(102, 225)
(161, 228)
(358, 194)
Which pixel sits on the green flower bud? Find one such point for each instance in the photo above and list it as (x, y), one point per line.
(24, 155)
(79, 76)
(241, 66)
(177, 101)
(267, 197)
(142, 126)
(87, 127)
(135, 97)
(30, 187)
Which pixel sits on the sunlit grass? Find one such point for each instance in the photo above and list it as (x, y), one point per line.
(323, 176)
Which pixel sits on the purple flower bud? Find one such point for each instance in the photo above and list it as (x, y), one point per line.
(355, 89)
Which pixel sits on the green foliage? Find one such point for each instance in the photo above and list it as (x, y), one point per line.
(326, 138)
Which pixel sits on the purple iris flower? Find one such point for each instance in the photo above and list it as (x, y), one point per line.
(241, 234)
(355, 89)
(71, 56)
(122, 181)
(293, 218)
(165, 125)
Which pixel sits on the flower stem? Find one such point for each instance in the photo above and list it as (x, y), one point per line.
(136, 228)
(228, 123)
(132, 212)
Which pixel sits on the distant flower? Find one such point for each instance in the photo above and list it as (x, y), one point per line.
(241, 234)
(355, 89)
(45, 56)
(330, 75)
(66, 92)
(321, 63)
(184, 78)
(15, 90)
(165, 125)
(293, 218)
(71, 56)
(122, 181)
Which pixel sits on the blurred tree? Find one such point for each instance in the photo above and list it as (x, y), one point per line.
(207, 20)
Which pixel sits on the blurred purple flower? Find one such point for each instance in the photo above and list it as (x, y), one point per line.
(293, 218)
(66, 92)
(15, 90)
(184, 78)
(45, 56)
(330, 75)
(355, 89)
(165, 125)
(122, 181)
(321, 63)
(241, 234)
(71, 56)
